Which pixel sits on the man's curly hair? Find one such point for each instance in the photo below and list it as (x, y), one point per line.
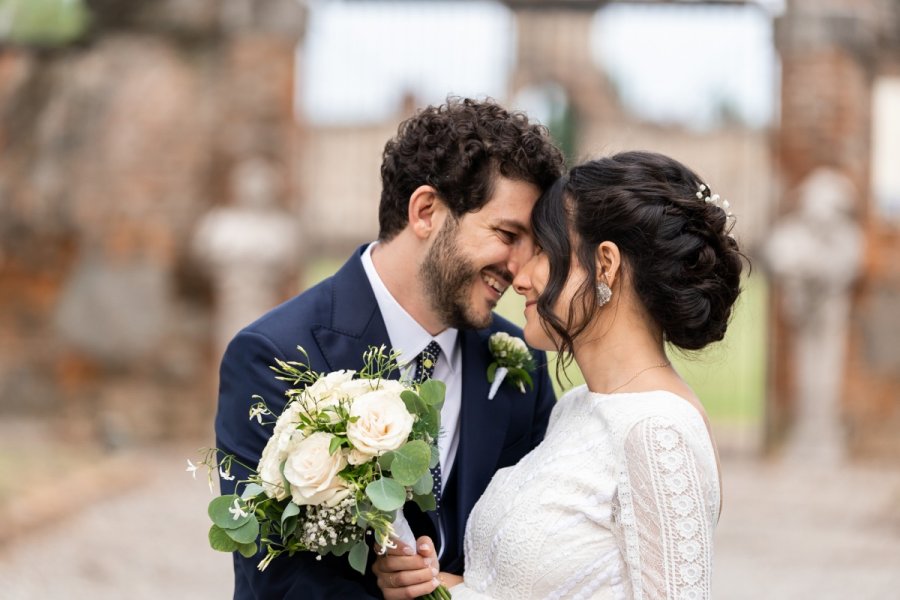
(459, 148)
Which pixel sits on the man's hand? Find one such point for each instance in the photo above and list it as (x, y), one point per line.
(404, 573)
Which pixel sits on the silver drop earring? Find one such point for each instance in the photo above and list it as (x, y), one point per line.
(604, 293)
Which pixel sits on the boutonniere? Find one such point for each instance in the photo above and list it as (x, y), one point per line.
(512, 360)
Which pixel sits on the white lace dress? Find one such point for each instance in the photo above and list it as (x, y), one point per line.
(618, 501)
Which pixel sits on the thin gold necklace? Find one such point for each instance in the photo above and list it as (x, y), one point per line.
(635, 376)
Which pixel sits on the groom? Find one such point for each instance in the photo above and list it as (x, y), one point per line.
(458, 185)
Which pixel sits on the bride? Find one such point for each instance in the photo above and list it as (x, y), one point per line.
(621, 498)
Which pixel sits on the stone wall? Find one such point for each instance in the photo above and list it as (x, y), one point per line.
(111, 150)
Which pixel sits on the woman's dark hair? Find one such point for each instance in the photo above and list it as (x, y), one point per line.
(459, 148)
(676, 250)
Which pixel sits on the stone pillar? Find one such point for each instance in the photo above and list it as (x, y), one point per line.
(827, 50)
(815, 254)
(250, 247)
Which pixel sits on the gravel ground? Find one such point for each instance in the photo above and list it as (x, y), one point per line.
(786, 532)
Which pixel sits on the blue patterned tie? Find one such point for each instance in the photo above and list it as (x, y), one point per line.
(425, 364)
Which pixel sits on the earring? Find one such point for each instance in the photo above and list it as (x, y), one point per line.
(604, 293)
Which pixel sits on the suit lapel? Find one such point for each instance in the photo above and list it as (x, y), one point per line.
(483, 425)
(355, 324)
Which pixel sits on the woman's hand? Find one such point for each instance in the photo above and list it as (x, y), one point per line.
(404, 573)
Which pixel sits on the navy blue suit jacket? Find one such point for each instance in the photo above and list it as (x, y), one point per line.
(335, 322)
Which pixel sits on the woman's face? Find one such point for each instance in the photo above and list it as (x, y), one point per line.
(530, 282)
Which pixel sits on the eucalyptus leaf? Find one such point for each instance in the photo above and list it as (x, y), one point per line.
(425, 501)
(247, 550)
(410, 462)
(219, 540)
(289, 511)
(432, 393)
(435, 457)
(386, 494)
(385, 460)
(414, 404)
(359, 555)
(220, 512)
(246, 533)
(251, 490)
(289, 527)
(424, 485)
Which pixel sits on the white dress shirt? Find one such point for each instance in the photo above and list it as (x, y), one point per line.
(410, 338)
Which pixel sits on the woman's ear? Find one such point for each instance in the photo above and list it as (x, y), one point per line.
(609, 260)
(425, 211)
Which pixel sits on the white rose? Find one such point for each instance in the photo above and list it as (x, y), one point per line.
(357, 387)
(313, 472)
(326, 390)
(519, 344)
(283, 437)
(269, 469)
(356, 458)
(383, 423)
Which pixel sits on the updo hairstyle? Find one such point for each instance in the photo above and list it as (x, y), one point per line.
(676, 248)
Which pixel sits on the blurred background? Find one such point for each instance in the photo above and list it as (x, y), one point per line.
(171, 169)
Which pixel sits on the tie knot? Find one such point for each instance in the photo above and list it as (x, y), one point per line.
(426, 361)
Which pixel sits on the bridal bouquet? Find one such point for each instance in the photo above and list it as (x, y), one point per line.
(348, 450)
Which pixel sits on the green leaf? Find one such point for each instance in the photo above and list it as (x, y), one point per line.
(247, 550)
(359, 554)
(492, 371)
(386, 494)
(432, 421)
(220, 514)
(424, 485)
(219, 540)
(385, 460)
(435, 456)
(425, 501)
(336, 443)
(521, 375)
(432, 392)
(251, 490)
(341, 548)
(289, 511)
(246, 533)
(414, 404)
(410, 462)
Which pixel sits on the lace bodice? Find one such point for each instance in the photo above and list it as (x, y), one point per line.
(618, 501)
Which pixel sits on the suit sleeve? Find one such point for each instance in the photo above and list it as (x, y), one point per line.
(545, 400)
(244, 373)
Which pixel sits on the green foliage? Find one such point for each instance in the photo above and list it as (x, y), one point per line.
(386, 494)
(44, 22)
(410, 462)
(358, 556)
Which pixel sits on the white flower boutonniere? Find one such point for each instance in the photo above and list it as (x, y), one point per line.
(512, 359)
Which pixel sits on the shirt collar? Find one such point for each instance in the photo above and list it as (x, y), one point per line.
(405, 333)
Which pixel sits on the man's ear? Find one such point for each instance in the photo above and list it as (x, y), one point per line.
(425, 212)
(609, 260)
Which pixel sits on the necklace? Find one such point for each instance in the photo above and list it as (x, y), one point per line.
(635, 376)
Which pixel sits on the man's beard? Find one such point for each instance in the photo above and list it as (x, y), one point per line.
(448, 275)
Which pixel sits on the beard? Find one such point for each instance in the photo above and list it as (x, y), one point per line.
(448, 276)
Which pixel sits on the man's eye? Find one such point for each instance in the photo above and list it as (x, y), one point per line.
(508, 236)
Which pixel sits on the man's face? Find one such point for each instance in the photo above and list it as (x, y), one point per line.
(473, 260)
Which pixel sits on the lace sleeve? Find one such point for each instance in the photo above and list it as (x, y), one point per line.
(665, 512)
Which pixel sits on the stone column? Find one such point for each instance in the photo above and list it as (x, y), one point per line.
(815, 254)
